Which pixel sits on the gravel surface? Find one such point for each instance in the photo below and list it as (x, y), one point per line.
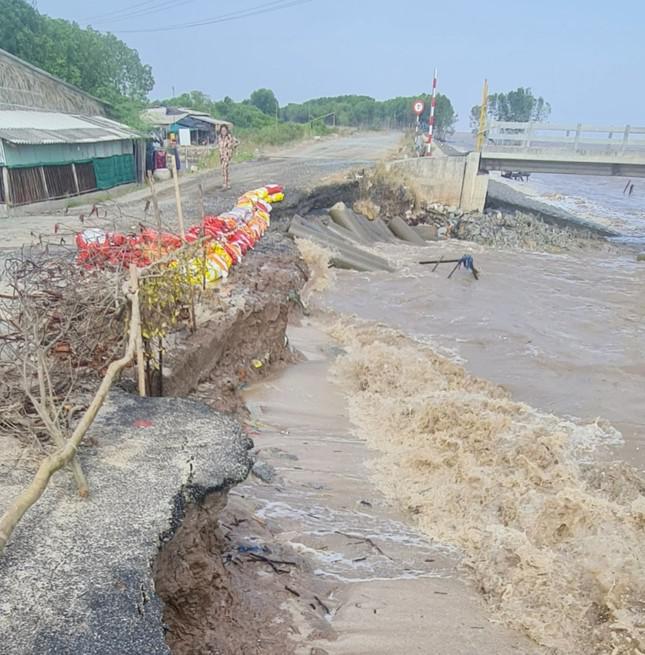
(76, 576)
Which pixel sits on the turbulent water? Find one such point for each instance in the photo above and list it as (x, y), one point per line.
(594, 198)
(556, 546)
(603, 200)
(536, 480)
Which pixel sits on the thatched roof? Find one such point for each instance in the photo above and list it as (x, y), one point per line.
(24, 86)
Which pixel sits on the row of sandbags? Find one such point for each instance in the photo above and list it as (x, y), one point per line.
(223, 240)
(345, 233)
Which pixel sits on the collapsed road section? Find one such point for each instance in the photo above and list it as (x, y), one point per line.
(77, 574)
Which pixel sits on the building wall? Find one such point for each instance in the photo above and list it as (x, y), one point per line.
(36, 173)
(62, 153)
(23, 86)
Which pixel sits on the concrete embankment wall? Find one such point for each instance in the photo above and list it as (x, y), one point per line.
(449, 180)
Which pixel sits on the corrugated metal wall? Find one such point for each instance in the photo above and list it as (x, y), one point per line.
(34, 173)
(61, 153)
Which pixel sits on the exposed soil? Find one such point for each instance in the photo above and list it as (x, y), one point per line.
(245, 328)
(228, 587)
(221, 576)
(229, 584)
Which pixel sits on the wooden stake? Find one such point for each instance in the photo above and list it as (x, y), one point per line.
(141, 366)
(180, 213)
(155, 200)
(201, 200)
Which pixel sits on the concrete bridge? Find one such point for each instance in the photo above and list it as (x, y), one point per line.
(460, 179)
(560, 148)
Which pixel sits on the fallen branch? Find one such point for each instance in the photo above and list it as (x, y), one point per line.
(64, 456)
(365, 540)
(273, 563)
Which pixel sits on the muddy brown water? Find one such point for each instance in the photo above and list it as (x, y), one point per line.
(391, 589)
(562, 332)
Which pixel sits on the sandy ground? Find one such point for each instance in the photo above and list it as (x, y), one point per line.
(296, 167)
(392, 590)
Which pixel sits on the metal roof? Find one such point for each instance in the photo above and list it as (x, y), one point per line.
(160, 116)
(40, 127)
(209, 119)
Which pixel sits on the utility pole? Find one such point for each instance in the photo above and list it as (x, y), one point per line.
(483, 112)
(433, 104)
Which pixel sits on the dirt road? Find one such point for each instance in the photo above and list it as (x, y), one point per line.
(297, 167)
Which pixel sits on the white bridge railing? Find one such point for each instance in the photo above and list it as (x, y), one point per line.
(504, 136)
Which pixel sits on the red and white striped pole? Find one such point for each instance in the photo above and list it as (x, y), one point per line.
(432, 108)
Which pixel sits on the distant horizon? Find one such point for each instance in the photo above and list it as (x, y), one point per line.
(585, 63)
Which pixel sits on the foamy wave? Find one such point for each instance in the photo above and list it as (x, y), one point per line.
(317, 259)
(557, 546)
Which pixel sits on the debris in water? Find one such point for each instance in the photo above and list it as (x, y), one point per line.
(466, 262)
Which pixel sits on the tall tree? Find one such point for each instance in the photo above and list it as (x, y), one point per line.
(518, 106)
(100, 64)
(363, 111)
(265, 101)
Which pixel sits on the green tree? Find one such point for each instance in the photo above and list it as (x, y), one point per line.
(100, 64)
(265, 101)
(518, 106)
(242, 114)
(366, 112)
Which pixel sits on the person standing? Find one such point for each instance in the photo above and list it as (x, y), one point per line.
(227, 144)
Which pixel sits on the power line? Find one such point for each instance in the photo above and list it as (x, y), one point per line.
(123, 10)
(265, 8)
(145, 11)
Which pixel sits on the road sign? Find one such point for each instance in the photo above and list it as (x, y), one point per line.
(418, 107)
(184, 136)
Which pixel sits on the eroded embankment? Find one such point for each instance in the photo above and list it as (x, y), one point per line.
(242, 327)
(213, 598)
(556, 546)
(209, 603)
(206, 609)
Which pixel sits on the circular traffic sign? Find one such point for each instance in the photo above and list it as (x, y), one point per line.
(418, 107)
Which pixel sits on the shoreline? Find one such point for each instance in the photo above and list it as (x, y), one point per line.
(302, 413)
(504, 197)
(391, 588)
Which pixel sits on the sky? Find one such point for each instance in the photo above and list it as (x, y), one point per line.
(585, 57)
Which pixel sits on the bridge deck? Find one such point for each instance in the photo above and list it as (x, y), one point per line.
(532, 148)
